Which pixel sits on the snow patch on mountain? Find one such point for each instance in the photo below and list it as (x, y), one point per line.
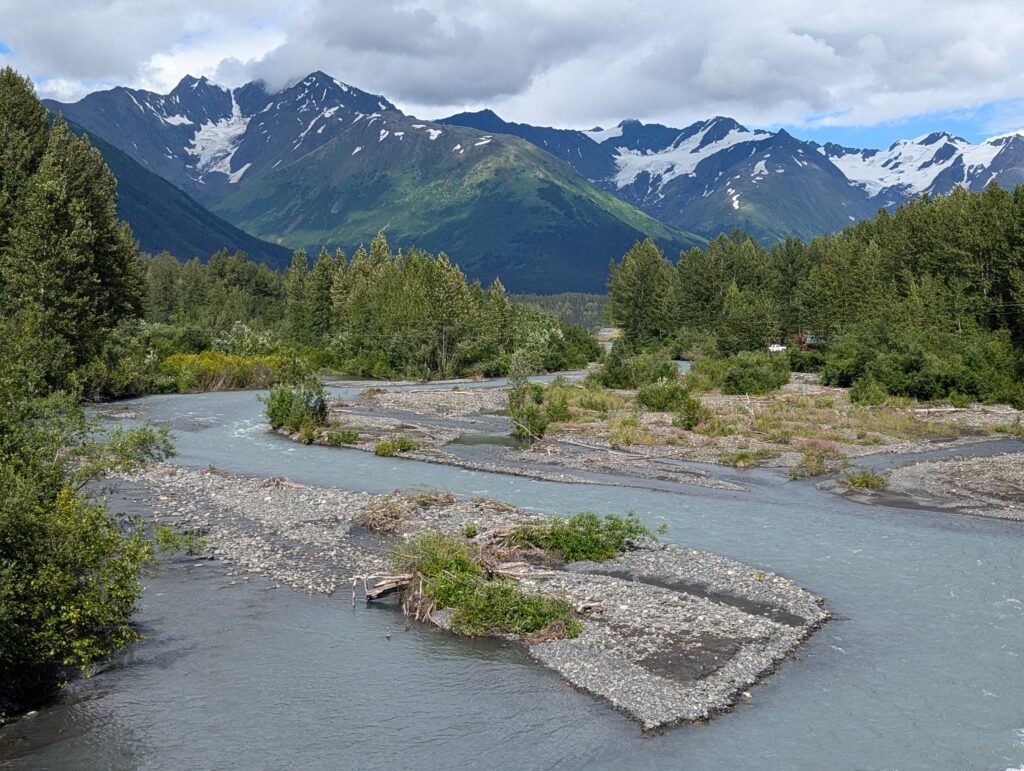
(600, 135)
(175, 120)
(682, 157)
(237, 175)
(214, 143)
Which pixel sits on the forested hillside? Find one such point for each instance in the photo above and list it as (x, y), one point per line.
(163, 218)
(322, 163)
(587, 310)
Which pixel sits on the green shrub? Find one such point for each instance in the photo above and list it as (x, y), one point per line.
(868, 391)
(622, 371)
(818, 458)
(343, 436)
(863, 479)
(754, 373)
(705, 374)
(213, 371)
(584, 536)
(169, 541)
(746, 459)
(1013, 429)
(746, 372)
(716, 426)
(556, 405)
(591, 398)
(498, 605)
(651, 367)
(388, 447)
(958, 399)
(906, 361)
(691, 414)
(805, 361)
(692, 344)
(663, 395)
(69, 568)
(525, 408)
(740, 459)
(294, 407)
(308, 431)
(452, 577)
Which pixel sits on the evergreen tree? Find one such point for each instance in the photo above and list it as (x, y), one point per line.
(24, 129)
(749, 321)
(66, 255)
(641, 294)
(318, 297)
(296, 312)
(163, 274)
(339, 286)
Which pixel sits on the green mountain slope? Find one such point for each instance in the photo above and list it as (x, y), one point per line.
(512, 211)
(163, 218)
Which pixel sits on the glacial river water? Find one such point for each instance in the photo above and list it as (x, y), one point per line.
(922, 667)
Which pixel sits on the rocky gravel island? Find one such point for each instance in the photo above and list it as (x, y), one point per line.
(669, 634)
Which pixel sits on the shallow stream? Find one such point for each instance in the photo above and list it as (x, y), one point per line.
(922, 668)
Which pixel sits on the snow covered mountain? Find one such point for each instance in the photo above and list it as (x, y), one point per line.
(716, 174)
(707, 178)
(933, 164)
(206, 138)
(322, 163)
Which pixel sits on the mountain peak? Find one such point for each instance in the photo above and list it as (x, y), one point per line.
(938, 136)
(190, 84)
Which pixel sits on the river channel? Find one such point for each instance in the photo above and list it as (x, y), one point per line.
(921, 668)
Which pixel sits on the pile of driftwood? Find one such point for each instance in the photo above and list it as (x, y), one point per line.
(379, 587)
(395, 512)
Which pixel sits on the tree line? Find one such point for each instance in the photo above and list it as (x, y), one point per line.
(377, 314)
(925, 301)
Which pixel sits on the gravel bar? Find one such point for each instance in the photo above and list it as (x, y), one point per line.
(671, 634)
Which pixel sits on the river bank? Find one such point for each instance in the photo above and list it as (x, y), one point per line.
(805, 428)
(670, 634)
(990, 486)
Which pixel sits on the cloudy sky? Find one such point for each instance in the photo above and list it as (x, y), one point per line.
(862, 73)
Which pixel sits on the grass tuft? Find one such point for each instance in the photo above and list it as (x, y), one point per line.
(863, 479)
(388, 447)
(818, 459)
(584, 536)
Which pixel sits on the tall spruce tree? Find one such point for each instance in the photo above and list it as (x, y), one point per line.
(318, 297)
(641, 294)
(296, 312)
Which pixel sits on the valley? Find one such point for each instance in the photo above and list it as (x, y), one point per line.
(620, 447)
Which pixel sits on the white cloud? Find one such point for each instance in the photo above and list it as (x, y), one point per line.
(791, 62)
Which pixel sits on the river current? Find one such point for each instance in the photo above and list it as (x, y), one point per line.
(921, 668)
